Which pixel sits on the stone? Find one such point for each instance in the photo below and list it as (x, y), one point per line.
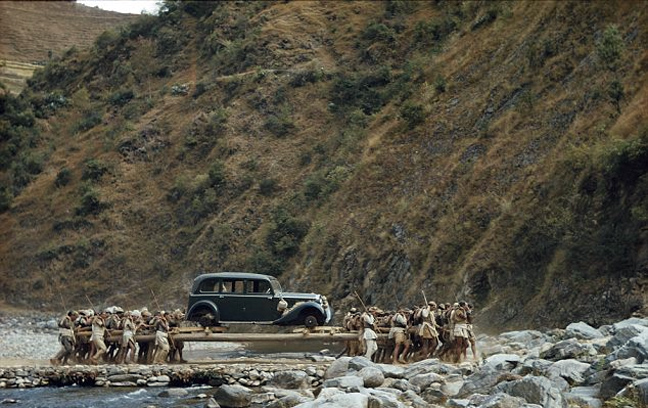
(458, 403)
(392, 371)
(503, 361)
(404, 385)
(535, 366)
(289, 401)
(641, 387)
(571, 370)
(623, 333)
(535, 390)
(584, 396)
(123, 384)
(414, 399)
(291, 380)
(233, 396)
(636, 347)
(583, 331)
(124, 378)
(481, 382)
(351, 400)
(502, 400)
(429, 366)
(382, 399)
(347, 382)
(338, 368)
(211, 403)
(613, 384)
(423, 381)
(452, 385)
(532, 338)
(159, 378)
(359, 362)
(372, 377)
(173, 392)
(570, 348)
(630, 322)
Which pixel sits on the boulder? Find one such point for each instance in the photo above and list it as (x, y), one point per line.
(532, 338)
(535, 390)
(481, 382)
(584, 397)
(359, 362)
(623, 333)
(452, 385)
(614, 383)
(291, 380)
(414, 399)
(125, 378)
(636, 347)
(289, 401)
(173, 392)
(424, 380)
(352, 400)
(503, 361)
(347, 382)
(233, 396)
(571, 370)
(582, 330)
(372, 377)
(641, 390)
(392, 371)
(338, 368)
(570, 348)
(429, 366)
(535, 366)
(404, 385)
(501, 400)
(211, 403)
(630, 322)
(382, 399)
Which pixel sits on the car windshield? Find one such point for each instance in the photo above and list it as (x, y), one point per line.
(276, 287)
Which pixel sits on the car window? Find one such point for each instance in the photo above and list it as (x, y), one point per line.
(233, 286)
(258, 286)
(209, 285)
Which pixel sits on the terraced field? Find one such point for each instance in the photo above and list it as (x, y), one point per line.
(32, 32)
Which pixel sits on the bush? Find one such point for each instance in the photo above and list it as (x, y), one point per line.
(217, 174)
(280, 126)
(378, 32)
(413, 114)
(267, 186)
(6, 197)
(610, 48)
(121, 97)
(94, 170)
(63, 177)
(90, 119)
(90, 203)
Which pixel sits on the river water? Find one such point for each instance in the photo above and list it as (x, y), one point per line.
(107, 397)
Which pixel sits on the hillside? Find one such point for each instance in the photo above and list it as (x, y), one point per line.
(32, 32)
(489, 151)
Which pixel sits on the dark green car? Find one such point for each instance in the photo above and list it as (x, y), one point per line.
(239, 297)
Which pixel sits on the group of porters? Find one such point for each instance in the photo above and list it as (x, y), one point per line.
(444, 331)
(85, 337)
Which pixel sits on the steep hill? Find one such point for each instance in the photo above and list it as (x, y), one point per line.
(32, 32)
(489, 151)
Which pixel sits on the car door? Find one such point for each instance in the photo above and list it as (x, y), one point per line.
(231, 300)
(261, 302)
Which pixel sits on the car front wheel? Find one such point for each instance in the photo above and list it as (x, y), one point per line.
(310, 321)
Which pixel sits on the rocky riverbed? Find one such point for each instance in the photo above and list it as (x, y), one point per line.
(579, 366)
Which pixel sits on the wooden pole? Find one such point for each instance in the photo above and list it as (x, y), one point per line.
(247, 337)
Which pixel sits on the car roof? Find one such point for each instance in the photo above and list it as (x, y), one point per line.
(234, 275)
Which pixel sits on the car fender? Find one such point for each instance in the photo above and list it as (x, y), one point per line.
(207, 304)
(296, 311)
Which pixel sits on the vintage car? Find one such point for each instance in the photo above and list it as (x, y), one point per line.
(238, 297)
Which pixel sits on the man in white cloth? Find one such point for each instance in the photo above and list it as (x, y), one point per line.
(369, 337)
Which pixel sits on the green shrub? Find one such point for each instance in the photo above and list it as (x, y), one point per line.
(217, 174)
(267, 186)
(91, 203)
(610, 48)
(89, 120)
(285, 233)
(94, 170)
(440, 84)
(616, 93)
(413, 114)
(6, 197)
(378, 32)
(63, 177)
(121, 97)
(431, 32)
(280, 125)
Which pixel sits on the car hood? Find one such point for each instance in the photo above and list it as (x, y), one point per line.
(301, 296)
